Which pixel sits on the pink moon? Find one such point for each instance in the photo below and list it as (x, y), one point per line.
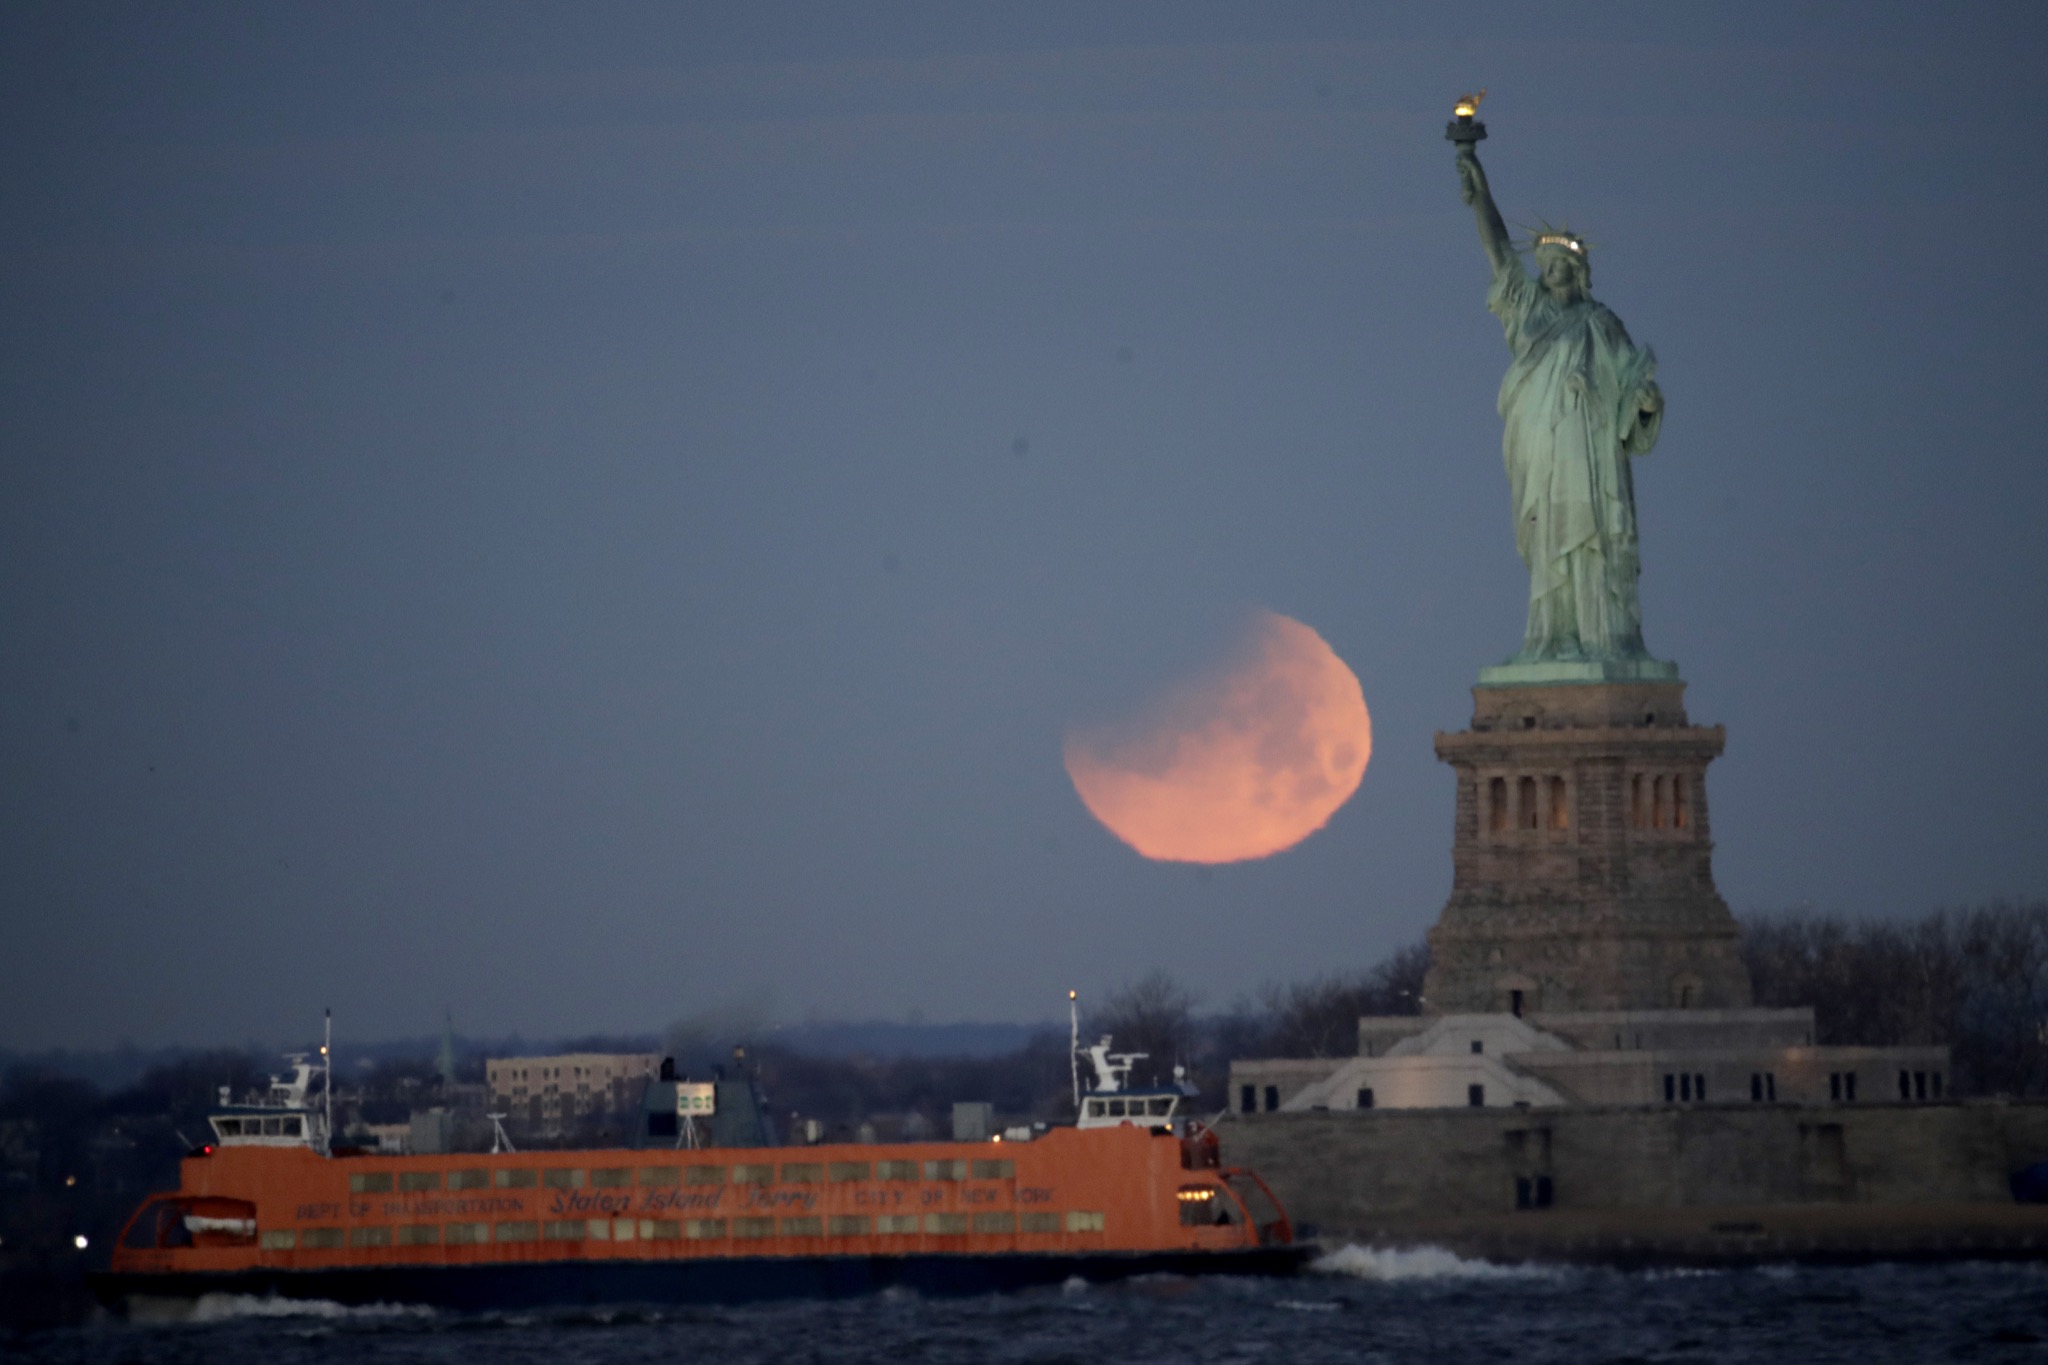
(1242, 763)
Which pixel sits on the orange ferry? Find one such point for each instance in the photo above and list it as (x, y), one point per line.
(270, 1209)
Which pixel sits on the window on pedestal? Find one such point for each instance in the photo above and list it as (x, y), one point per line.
(1526, 805)
(1660, 799)
(1681, 815)
(1560, 806)
(1497, 805)
(1636, 815)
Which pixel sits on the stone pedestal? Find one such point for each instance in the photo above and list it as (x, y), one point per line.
(1583, 857)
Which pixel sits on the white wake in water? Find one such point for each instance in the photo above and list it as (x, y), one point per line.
(224, 1307)
(1416, 1263)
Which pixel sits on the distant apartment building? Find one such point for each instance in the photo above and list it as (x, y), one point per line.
(551, 1097)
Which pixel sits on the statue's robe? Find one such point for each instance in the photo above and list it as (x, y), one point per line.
(1569, 409)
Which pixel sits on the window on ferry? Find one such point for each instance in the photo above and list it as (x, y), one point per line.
(896, 1224)
(757, 1174)
(1160, 1106)
(945, 1170)
(660, 1229)
(504, 1180)
(1079, 1220)
(369, 1237)
(1272, 1098)
(570, 1230)
(228, 1128)
(467, 1234)
(419, 1180)
(1365, 1098)
(1475, 1096)
(660, 1175)
(516, 1232)
(370, 1182)
(704, 1229)
(945, 1224)
(418, 1235)
(1038, 1222)
(1097, 1108)
(753, 1227)
(802, 1172)
(564, 1178)
(1248, 1099)
(995, 1222)
(291, 1127)
(611, 1178)
(995, 1170)
(1116, 1109)
(320, 1239)
(704, 1175)
(280, 1239)
(803, 1226)
(895, 1170)
(847, 1170)
(848, 1225)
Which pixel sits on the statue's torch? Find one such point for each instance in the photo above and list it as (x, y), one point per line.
(1465, 129)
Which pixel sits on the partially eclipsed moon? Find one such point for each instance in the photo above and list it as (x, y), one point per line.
(1241, 764)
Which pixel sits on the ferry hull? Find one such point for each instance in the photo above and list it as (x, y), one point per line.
(751, 1279)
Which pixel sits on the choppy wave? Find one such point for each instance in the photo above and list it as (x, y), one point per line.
(226, 1307)
(1416, 1263)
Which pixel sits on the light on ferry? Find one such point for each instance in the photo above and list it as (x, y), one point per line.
(79, 1241)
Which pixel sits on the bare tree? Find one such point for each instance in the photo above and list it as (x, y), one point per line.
(1319, 1017)
(1975, 979)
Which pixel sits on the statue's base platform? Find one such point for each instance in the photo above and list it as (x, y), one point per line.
(1582, 855)
(1562, 672)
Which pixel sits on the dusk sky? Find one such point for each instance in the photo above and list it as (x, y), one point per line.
(578, 515)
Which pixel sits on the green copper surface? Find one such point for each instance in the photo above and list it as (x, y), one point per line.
(1579, 400)
(1551, 672)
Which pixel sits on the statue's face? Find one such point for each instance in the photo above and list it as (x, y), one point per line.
(1565, 276)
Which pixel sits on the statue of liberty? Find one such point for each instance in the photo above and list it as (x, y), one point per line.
(1578, 401)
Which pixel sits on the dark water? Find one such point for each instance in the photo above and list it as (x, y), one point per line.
(1360, 1308)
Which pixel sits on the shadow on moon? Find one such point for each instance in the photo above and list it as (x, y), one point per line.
(1241, 763)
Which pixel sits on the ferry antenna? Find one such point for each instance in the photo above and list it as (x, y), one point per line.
(1074, 1044)
(327, 1080)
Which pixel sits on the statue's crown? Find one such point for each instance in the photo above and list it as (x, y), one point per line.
(1569, 241)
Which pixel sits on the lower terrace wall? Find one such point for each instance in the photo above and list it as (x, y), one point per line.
(1354, 1171)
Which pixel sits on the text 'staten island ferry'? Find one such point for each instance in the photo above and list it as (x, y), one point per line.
(701, 1209)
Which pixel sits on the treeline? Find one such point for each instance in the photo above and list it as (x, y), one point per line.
(1153, 1014)
(1975, 979)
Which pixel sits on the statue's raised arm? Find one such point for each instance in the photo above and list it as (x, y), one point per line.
(1493, 233)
